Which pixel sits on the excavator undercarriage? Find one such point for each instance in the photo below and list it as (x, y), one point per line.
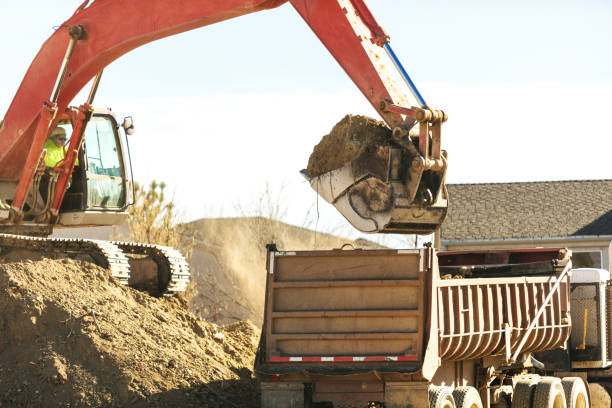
(157, 269)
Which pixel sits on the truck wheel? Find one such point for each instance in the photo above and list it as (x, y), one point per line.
(441, 397)
(549, 394)
(467, 397)
(522, 394)
(599, 396)
(575, 392)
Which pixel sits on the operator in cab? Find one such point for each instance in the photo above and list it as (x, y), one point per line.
(56, 151)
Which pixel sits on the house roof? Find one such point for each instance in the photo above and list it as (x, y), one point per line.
(528, 210)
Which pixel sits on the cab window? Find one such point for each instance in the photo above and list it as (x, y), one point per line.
(104, 171)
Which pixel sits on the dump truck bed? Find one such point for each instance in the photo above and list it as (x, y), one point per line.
(356, 311)
(369, 326)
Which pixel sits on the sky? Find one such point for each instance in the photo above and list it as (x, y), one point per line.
(223, 110)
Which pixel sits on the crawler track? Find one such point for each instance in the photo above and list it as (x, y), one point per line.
(173, 270)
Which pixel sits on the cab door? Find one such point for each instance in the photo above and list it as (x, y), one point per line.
(105, 170)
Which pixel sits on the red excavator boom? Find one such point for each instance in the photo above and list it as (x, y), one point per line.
(101, 31)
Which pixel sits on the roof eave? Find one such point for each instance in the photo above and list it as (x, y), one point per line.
(510, 240)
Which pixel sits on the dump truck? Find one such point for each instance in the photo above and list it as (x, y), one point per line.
(418, 328)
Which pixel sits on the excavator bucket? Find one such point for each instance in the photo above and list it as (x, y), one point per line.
(390, 187)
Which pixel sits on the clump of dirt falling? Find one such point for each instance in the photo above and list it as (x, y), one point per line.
(348, 139)
(70, 335)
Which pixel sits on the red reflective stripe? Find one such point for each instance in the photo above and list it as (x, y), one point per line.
(409, 358)
(279, 358)
(311, 358)
(343, 358)
(374, 359)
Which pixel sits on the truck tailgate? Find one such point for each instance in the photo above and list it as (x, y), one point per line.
(358, 308)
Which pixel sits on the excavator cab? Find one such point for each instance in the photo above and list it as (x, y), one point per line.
(92, 186)
(101, 188)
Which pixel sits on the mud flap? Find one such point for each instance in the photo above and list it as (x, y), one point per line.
(282, 395)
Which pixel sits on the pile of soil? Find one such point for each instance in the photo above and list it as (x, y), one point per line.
(70, 335)
(349, 139)
(228, 263)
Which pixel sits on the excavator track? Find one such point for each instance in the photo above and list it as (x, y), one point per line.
(172, 268)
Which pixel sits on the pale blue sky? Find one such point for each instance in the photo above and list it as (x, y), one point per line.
(439, 41)
(526, 85)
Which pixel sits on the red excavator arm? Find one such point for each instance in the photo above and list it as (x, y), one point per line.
(101, 31)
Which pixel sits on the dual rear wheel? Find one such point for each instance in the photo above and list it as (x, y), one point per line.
(550, 392)
(528, 392)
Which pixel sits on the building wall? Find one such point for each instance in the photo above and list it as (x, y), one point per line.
(575, 244)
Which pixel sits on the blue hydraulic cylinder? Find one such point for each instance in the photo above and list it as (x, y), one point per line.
(405, 75)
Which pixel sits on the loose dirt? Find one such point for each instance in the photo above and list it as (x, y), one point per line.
(228, 263)
(70, 335)
(348, 139)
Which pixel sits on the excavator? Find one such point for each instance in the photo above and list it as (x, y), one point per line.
(93, 185)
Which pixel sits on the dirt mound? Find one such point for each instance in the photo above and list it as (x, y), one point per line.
(228, 263)
(348, 139)
(70, 335)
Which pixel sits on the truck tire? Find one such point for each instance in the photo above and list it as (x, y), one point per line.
(549, 393)
(467, 397)
(575, 392)
(441, 397)
(599, 396)
(523, 391)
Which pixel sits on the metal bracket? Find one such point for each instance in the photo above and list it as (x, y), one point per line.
(507, 334)
(534, 321)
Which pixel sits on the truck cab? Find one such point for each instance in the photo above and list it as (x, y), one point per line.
(590, 298)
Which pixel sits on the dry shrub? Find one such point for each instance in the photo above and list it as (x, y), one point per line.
(257, 213)
(153, 219)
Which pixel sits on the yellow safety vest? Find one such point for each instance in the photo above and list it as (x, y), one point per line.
(55, 154)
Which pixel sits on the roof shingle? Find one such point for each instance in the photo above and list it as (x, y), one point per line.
(528, 210)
